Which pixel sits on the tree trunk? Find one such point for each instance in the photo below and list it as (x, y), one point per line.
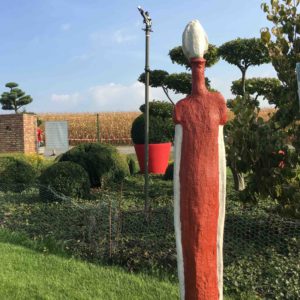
(238, 178)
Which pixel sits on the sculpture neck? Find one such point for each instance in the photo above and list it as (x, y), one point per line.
(198, 77)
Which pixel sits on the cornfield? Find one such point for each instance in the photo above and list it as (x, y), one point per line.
(114, 127)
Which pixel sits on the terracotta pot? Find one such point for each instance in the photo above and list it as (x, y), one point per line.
(158, 157)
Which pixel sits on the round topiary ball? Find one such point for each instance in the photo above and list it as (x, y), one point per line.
(161, 130)
(169, 172)
(15, 174)
(65, 179)
(161, 126)
(100, 162)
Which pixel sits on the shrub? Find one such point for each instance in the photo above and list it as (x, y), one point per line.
(132, 164)
(169, 172)
(15, 174)
(159, 109)
(38, 162)
(66, 178)
(100, 162)
(161, 126)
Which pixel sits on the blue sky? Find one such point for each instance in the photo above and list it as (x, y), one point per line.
(86, 55)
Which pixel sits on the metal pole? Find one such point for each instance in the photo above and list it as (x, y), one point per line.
(148, 23)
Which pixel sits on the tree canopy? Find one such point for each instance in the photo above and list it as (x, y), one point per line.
(284, 51)
(258, 87)
(179, 82)
(15, 98)
(177, 56)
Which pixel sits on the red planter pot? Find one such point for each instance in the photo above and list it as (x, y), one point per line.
(158, 157)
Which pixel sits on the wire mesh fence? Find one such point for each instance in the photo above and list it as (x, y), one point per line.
(261, 249)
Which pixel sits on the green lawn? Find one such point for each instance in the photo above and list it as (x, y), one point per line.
(28, 274)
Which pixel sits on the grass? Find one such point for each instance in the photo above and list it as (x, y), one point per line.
(260, 248)
(28, 274)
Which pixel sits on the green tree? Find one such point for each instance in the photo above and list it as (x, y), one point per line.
(15, 98)
(179, 82)
(284, 51)
(283, 44)
(242, 53)
(267, 88)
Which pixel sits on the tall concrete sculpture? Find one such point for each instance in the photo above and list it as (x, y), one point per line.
(199, 179)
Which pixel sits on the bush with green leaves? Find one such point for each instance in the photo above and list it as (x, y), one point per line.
(169, 172)
(38, 162)
(15, 174)
(161, 126)
(64, 179)
(101, 162)
(132, 164)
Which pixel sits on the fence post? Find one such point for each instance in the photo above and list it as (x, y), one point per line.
(98, 129)
(110, 230)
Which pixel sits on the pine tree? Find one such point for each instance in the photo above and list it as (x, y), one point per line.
(15, 98)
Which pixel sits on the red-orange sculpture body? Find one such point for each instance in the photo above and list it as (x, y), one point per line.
(200, 116)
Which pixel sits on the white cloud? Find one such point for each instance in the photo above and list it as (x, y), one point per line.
(118, 97)
(120, 36)
(66, 99)
(65, 27)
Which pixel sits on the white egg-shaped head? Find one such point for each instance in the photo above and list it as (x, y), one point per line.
(194, 40)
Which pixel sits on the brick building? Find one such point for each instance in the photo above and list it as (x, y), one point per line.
(18, 133)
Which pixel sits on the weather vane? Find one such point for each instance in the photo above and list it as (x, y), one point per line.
(146, 17)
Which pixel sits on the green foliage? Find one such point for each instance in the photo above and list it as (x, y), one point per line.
(179, 82)
(267, 267)
(284, 51)
(15, 174)
(177, 56)
(101, 162)
(38, 162)
(132, 164)
(158, 108)
(169, 172)
(15, 98)
(256, 87)
(64, 179)
(244, 53)
(261, 250)
(156, 79)
(161, 126)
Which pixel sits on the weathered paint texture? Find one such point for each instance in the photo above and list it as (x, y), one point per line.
(201, 116)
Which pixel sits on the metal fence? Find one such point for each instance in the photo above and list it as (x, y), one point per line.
(260, 248)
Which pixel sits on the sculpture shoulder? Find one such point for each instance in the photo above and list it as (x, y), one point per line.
(218, 97)
(179, 109)
(182, 102)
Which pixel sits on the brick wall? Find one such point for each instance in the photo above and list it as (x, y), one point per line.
(18, 133)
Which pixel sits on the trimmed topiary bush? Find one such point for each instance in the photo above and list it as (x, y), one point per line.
(101, 162)
(38, 162)
(169, 172)
(65, 178)
(161, 126)
(132, 164)
(15, 174)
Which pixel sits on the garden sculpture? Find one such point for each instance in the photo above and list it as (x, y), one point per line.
(199, 178)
